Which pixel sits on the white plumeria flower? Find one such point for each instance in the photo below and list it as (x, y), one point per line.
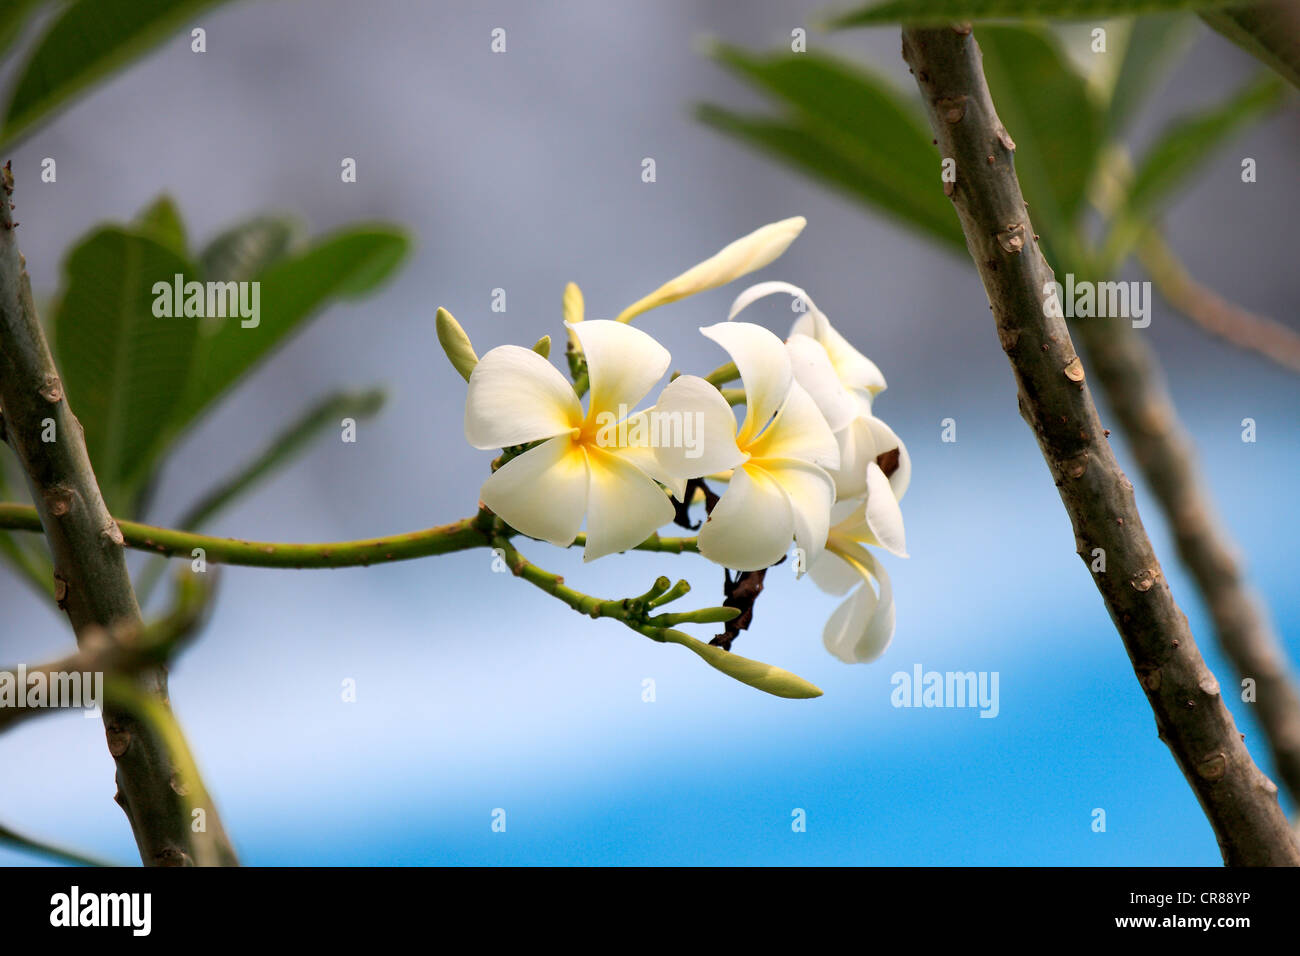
(747, 254)
(779, 489)
(861, 628)
(515, 396)
(843, 382)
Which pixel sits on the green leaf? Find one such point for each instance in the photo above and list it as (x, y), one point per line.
(346, 264)
(847, 127)
(766, 677)
(945, 11)
(322, 417)
(1188, 142)
(161, 220)
(248, 248)
(124, 369)
(1057, 127)
(88, 41)
(1268, 31)
(15, 18)
(1154, 43)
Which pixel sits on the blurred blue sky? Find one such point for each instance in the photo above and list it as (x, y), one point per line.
(475, 691)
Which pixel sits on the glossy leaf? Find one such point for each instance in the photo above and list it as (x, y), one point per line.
(1268, 31)
(845, 126)
(244, 250)
(15, 17)
(87, 41)
(1189, 142)
(124, 369)
(946, 11)
(1153, 45)
(292, 290)
(161, 220)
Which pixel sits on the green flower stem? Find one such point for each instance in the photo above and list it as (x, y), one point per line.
(680, 589)
(723, 375)
(661, 585)
(655, 543)
(474, 532)
(631, 611)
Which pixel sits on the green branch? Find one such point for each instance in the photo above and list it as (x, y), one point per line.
(635, 613)
(474, 532)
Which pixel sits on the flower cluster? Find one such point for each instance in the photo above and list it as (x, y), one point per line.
(810, 463)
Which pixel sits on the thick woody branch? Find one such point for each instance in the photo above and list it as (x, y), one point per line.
(91, 581)
(1135, 391)
(1191, 717)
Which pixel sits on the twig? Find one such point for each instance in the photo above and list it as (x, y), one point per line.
(31, 845)
(91, 580)
(1215, 314)
(1136, 394)
(1191, 717)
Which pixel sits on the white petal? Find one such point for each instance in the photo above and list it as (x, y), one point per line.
(813, 370)
(543, 492)
(739, 258)
(624, 506)
(751, 526)
(876, 517)
(811, 493)
(761, 289)
(811, 363)
(690, 407)
(853, 368)
(623, 363)
(857, 450)
(833, 574)
(516, 396)
(861, 628)
(639, 450)
(799, 431)
(765, 370)
(883, 517)
(886, 440)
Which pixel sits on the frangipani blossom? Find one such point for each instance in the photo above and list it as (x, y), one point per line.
(780, 489)
(862, 626)
(844, 383)
(747, 254)
(515, 397)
